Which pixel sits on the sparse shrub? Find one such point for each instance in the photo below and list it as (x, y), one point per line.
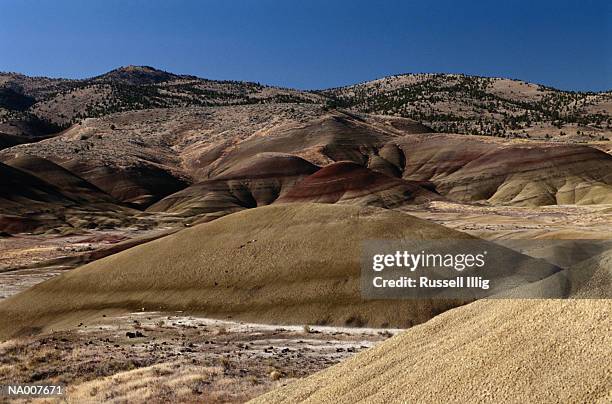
(226, 363)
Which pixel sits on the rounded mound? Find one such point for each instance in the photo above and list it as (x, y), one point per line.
(267, 165)
(350, 182)
(295, 263)
(468, 169)
(255, 182)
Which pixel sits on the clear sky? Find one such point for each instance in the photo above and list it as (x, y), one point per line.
(313, 43)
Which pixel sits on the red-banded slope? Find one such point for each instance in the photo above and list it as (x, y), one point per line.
(142, 157)
(348, 182)
(470, 169)
(37, 195)
(255, 182)
(336, 136)
(265, 166)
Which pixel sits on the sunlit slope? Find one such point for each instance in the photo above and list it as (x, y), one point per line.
(522, 351)
(295, 263)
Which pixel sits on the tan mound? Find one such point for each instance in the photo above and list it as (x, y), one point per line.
(351, 183)
(296, 263)
(515, 351)
(596, 279)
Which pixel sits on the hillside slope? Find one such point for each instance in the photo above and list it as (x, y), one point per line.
(482, 105)
(291, 264)
(64, 102)
(489, 351)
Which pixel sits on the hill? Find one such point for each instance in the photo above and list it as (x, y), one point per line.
(141, 157)
(456, 103)
(278, 264)
(211, 160)
(488, 351)
(257, 181)
(447, 102)
(37, 195)
(348, 182)
(292, 264)
(64, 102)
(473, 169)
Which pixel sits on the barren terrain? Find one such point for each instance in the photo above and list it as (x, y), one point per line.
(148, 356)
(145, 216)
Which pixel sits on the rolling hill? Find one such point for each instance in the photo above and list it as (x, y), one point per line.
(286, 263)
(457, 103)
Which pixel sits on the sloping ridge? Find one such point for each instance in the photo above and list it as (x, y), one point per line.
(469, 169)
(258, 181)
(349, 182)
(294, 263)
(25, 200)
(334, 137)
(70, 184)
(139, 185)
(37, 195)
(487, 351)
(21, 187)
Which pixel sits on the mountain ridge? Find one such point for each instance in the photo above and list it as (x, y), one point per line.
(451, 103)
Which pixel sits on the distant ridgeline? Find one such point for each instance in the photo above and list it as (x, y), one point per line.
(453, 103)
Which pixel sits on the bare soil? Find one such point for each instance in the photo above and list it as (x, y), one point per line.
(161, 357)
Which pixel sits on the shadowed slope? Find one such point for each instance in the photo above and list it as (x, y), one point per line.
(71, 185)
(140, 185)
(255, 182)
(26, 201)
(20, 187)
(37, 196)
(7, 141)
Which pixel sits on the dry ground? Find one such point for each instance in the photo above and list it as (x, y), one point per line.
(172, 357)
(511, 222)
(185, 359)
(28, 259)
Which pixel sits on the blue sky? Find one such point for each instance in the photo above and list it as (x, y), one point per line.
(313, 43)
